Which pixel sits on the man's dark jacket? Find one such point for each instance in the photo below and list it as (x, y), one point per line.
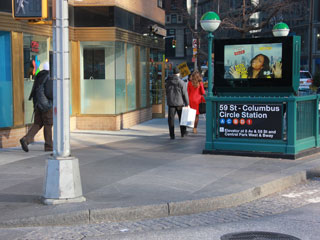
(48, 87)
(176, 91)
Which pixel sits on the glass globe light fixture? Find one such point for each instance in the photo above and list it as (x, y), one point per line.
(281, 29)
(210, 21)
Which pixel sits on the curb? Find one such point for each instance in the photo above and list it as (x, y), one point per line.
(91, 216)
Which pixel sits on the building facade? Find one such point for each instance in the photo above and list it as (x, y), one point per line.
(300, 19)
(178, 29)
(113, 48)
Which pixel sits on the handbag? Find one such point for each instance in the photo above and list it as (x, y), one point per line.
(188, 117)
(202, 107)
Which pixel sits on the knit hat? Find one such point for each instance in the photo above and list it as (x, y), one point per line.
(46, 66)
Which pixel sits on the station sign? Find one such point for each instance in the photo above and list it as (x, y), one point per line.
(257, 121)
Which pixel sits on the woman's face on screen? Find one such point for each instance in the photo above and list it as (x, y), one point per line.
(258, 62)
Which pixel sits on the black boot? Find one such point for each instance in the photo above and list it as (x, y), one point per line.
(24, 145)
(171, 130)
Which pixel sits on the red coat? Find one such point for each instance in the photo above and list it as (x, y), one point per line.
(195, 95)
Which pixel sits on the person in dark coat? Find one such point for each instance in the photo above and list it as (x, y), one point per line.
(42, 117)
(177, 97)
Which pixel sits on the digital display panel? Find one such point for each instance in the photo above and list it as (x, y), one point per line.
(257, 65)
(253, 61)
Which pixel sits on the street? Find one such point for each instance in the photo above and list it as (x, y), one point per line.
(294, 211)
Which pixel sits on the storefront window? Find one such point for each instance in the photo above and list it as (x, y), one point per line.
(94, 63)
(6, 106)
(108, 77)
(131, 77)
(35, 53)
(97, 78)
(6, 6)
(143, 74)
(121, 98)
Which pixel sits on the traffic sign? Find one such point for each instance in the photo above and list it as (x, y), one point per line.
(184, 69)
(194, 43)
(30, 9)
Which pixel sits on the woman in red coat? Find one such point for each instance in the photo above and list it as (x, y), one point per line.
(195, 92)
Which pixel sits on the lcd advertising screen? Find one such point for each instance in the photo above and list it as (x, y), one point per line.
(253, 61)
(257, 64)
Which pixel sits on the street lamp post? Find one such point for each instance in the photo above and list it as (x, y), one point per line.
(210, 21)
(62, 181)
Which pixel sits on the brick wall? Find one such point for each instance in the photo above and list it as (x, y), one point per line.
(133, 118)
(116, 122)
(11, 137)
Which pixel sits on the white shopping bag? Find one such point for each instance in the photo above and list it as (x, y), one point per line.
(188, 116)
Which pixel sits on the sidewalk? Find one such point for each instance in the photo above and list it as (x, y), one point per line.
(140, 173)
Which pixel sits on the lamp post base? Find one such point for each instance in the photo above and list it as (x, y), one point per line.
(62, 182)
(48, 201)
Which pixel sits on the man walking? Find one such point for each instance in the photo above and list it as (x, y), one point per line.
(42, 96)
(177, 97)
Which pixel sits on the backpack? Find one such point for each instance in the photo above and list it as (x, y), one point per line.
(42, 103)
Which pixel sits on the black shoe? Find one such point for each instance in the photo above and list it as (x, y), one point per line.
(24, 145)
(172, 137)
(184, 134)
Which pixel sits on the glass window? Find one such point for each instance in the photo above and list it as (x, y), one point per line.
(104, 16)
(318, 39)
(173, 5)
(6, 6)
(160, 3)
(171, 32)
(35, 53)
(120, 78)
(97, 78)
(168, 18)
(131, 77)
(143, 73)
(95, 16)
(155, 83)
(173, 18)
(6, 106)
(93, 63)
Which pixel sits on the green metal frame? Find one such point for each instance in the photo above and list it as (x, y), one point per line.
(297, 118)
(288, 145)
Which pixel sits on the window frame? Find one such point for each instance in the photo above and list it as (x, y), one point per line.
(160, 4)
(174, 16)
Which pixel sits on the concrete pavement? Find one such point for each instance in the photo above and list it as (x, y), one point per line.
(140, 173)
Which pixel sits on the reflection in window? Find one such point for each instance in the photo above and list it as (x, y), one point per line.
(143, 72)
(121, 97)
(93, 63)
(131, 77)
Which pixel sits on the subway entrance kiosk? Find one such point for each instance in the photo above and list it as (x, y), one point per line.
(256, 108)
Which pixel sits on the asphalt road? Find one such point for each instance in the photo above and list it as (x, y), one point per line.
(294, 211)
